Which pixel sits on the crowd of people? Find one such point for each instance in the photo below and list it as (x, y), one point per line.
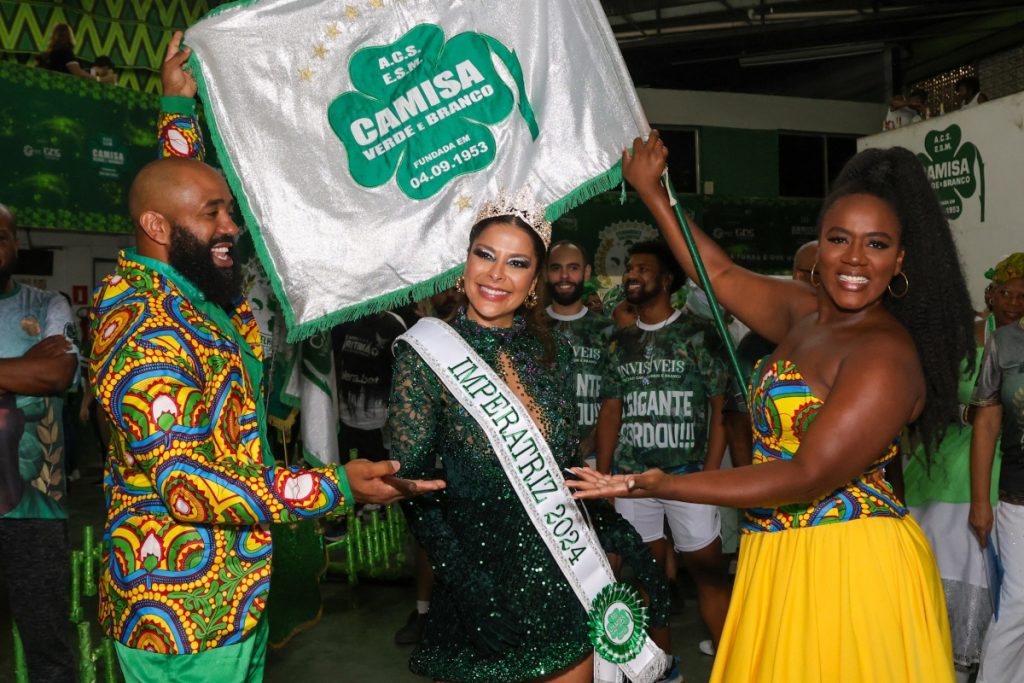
(852, 367)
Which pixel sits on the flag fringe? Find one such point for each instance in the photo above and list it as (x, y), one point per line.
(298, 332)
(585, 192)
(391, 300)
(401, 297)
(241, 198)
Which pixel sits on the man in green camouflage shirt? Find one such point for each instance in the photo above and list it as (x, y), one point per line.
(662, 393)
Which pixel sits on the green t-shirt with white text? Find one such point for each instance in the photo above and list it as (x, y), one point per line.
(588, 333)
(665, 374)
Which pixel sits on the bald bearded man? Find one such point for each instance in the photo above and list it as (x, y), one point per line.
(191, 486)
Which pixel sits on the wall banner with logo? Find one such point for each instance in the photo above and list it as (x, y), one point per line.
(70, 148)
(974, 158)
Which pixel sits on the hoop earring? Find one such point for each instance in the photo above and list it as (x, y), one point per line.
(813, 283)
(906, 287)
(531, 299)
(460, 285)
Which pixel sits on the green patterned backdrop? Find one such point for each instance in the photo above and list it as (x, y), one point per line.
(133, 33)
(70, 148)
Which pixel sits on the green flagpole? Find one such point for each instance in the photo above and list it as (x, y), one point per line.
(705, 284)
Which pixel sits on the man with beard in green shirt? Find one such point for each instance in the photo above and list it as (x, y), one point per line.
(662, 391)
(587, 331)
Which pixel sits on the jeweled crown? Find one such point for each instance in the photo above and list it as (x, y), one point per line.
(522, 205)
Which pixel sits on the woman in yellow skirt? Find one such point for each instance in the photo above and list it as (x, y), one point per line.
(835, 581)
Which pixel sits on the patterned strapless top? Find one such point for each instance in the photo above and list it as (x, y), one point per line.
(782, 410)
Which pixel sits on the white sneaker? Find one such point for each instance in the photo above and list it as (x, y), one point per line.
(706, 647)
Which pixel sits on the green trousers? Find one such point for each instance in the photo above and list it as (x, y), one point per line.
(239, 663)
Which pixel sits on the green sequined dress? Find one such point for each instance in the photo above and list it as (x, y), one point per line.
(490, 566)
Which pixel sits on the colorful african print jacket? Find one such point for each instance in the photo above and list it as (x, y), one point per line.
(187, 547)
(178, 129)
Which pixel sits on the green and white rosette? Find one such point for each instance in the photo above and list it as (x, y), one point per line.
(618, 623)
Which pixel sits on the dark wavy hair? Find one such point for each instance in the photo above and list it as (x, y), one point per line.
(668, 263)
(62, 36)
(538, 322)
(936, 309)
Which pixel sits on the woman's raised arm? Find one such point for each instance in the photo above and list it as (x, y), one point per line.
(862, 414)
(767, 305)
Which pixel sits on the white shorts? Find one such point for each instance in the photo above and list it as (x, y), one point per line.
(693, 526)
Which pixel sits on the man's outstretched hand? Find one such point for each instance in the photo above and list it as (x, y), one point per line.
(176, 81)
(375, 482)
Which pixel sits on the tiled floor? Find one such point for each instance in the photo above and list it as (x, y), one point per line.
(353, 640)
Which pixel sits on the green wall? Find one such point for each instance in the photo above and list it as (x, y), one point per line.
(741, 162)
(71, 147)
(745, 214)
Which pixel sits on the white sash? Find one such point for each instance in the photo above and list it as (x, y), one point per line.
(616, 617)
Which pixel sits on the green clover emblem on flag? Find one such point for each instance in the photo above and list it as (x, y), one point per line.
(617, 623)
(422, 108)
(955, 170)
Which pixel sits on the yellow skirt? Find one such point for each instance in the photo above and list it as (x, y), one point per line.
(850, 602)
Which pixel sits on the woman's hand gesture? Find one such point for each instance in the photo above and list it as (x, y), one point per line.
(643, 166)
(593, 484)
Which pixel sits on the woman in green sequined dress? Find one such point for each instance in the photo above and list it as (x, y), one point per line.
(501, 609)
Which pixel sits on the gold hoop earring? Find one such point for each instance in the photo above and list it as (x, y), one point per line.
(531, 299)
(906, 286)
(813, 283)
(460, 285)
